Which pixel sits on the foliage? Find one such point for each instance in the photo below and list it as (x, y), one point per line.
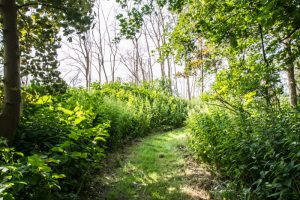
(63, 137)
(257, 39)
(45, 19)
(59, 148)
(258, 153)
(18, 173)
(244, 129)
(151, 104)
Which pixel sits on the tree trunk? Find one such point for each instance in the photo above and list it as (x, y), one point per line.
(202, 70)
(292, 85)
(202, 79)
(162, 68)
(188, 87)
(113, 68)
(297, 77)
(101, 64)
(175, 79)
(10, 115)
(99, 73)
(268, 78)
(291, 78)
(149, 58)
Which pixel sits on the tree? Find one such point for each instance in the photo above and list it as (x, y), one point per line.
(153, 21)
(81, 55)
(12, 93)
(266, 30)
(38, 62)
(113, 44)
(272, 27)
(70, 15)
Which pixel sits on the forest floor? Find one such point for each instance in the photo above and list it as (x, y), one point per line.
(156, 167)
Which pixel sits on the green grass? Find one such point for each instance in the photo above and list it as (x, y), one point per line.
(154, 169)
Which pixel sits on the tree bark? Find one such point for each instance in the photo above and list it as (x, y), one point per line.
(268, 78)
(175, 79)
(291, 78)
(188, 87)
(297, 77)
(10, 115)
(292, 85)
(149, 57)
(202, 69)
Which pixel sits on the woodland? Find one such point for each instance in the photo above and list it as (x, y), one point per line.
(150, 99)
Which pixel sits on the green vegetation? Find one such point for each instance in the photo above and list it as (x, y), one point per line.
(242, 124)
(24, 53)
(62, 138)
(236, 61)
(258, 154)
(154, 168)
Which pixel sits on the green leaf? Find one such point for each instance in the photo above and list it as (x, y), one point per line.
(35, 160)
(99, 139)
(52, 160)
(57, 176)
(57, 149)
(76, 154)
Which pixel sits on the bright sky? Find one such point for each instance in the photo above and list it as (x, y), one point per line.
(69, 71)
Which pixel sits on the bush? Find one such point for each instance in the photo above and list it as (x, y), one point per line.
(59, 145)
(258, 153)
(152, 101)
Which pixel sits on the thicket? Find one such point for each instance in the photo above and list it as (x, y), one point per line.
(257, 151)
(62, 137)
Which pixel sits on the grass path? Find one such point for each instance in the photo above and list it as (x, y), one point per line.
(157, 167)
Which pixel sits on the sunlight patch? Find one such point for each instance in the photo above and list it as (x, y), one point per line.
(171, 189)
(196, 194)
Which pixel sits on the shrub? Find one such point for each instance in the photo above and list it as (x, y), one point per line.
(60, 145)
(258, 153)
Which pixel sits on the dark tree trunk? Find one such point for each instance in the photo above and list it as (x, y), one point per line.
(10, 115)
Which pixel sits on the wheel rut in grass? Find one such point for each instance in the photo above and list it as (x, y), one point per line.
(157, 167)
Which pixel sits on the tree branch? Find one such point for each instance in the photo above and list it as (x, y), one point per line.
(290, 34)
(26, 5)
(263, 45)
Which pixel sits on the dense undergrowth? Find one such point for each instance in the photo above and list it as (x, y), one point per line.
(257, 151)
(62, 137)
